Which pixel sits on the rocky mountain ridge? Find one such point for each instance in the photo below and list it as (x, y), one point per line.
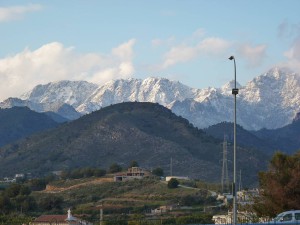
(270, 100)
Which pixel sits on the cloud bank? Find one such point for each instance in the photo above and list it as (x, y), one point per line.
(53, 61)
(17, 12)
(211, 46)
(292, 33)
(200, 45)
(253, 55)
(293, 56)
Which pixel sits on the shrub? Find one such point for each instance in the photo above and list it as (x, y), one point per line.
(158, 172)
(173, 183)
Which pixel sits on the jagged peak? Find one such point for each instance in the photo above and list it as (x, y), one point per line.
(230, 85)
(227, 88)
(40, 88)
(131, 79)
(277, 72)
(273, 75)
(149, 81)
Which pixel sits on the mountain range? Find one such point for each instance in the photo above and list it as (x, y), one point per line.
(146, 132)
(271, 100)
(285, 139)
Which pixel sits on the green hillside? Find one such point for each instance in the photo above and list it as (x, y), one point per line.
(146, 132)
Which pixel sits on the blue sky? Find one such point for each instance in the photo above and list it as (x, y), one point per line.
(187, 40)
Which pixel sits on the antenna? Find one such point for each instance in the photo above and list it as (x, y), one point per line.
(171, 167)
(240, 181)
(225, 179)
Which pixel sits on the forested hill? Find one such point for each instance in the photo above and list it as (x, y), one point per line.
(146, 132)
(20, 122)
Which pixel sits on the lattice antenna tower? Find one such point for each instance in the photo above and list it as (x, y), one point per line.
(225, 179)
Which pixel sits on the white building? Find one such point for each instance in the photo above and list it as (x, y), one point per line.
(168, 178)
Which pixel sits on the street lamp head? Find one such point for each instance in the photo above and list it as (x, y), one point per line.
(231, 57)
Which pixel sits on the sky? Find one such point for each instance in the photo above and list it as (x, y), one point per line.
(183, 40)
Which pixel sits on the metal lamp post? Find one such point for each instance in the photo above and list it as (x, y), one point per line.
(235, 91)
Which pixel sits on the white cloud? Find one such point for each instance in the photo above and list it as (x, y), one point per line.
(292, 32)
(199, 44)
(160, 42)
(294, 52)
(213, 46)
(126, 68)
(17, 12)
(156, 42)
(125, 50)
(183, 53)
(179, 54)
(293, 56)
(199, 33)
(53, 61)
(254, 55)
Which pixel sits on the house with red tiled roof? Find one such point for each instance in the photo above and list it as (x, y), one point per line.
(59, 220)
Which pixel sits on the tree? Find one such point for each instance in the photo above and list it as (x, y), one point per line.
(75, 174)
(133, 163)
(99, 172)
(65, 174)
(5, 204)
(37, 184)
(173, 183)
(50, 202)
(115, 168)
(13, 190)
(158, 172)
(87, 172)
(28, 204)
(25, 190)
(280, 185)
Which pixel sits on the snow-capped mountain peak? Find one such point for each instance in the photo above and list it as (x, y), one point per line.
(152, 89)
(270, 100)
(70, 92)
(226, 89)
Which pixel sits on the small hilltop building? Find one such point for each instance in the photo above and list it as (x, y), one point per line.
(131, 174)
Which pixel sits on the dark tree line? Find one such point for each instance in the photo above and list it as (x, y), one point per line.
(83, 173)
(18, 198)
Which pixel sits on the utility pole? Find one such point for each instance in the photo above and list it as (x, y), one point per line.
(101, 214)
